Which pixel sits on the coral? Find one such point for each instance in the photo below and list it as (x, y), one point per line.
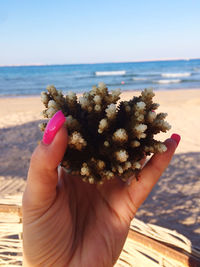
(106, 139)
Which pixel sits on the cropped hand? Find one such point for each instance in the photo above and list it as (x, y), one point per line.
(67, 222)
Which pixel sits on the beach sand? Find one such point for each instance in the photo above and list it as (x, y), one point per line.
(174, 202)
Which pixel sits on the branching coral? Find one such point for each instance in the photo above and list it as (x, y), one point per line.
(106, 140)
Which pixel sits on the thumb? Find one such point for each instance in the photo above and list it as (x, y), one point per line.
(43, 174)
(152, 171)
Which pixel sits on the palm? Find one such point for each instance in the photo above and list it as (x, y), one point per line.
(79, 224)
(90, 222)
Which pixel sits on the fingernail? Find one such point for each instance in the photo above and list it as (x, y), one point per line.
(176, 138)
(53, 127)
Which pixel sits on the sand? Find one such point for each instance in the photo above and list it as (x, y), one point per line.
(174, 202)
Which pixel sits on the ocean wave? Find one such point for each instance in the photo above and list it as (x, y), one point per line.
(110, 73)
(167, 81)
(139, 79)
(176, 75)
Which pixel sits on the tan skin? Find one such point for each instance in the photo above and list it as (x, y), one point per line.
(67, 222)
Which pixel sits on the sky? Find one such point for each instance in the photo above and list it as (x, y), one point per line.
(84, 31)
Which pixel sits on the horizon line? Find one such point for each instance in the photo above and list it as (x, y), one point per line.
(91, 63)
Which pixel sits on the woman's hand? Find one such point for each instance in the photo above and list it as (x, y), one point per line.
(67, 222)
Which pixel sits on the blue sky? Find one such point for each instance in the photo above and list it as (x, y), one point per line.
(59, 32)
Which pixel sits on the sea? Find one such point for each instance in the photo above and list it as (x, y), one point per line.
(159, 75)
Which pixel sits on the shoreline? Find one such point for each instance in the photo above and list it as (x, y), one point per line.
(122, 91)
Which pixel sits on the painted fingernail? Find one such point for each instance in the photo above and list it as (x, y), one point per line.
(53, 127)
(176, 138)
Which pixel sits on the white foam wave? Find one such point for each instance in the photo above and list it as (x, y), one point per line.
(139, 79)
(167, 81)
(176, 75)
(110, 73)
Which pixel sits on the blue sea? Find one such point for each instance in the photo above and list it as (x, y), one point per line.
(160, 75)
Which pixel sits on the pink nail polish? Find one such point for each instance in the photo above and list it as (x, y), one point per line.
(53, 127)
(176, 138)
